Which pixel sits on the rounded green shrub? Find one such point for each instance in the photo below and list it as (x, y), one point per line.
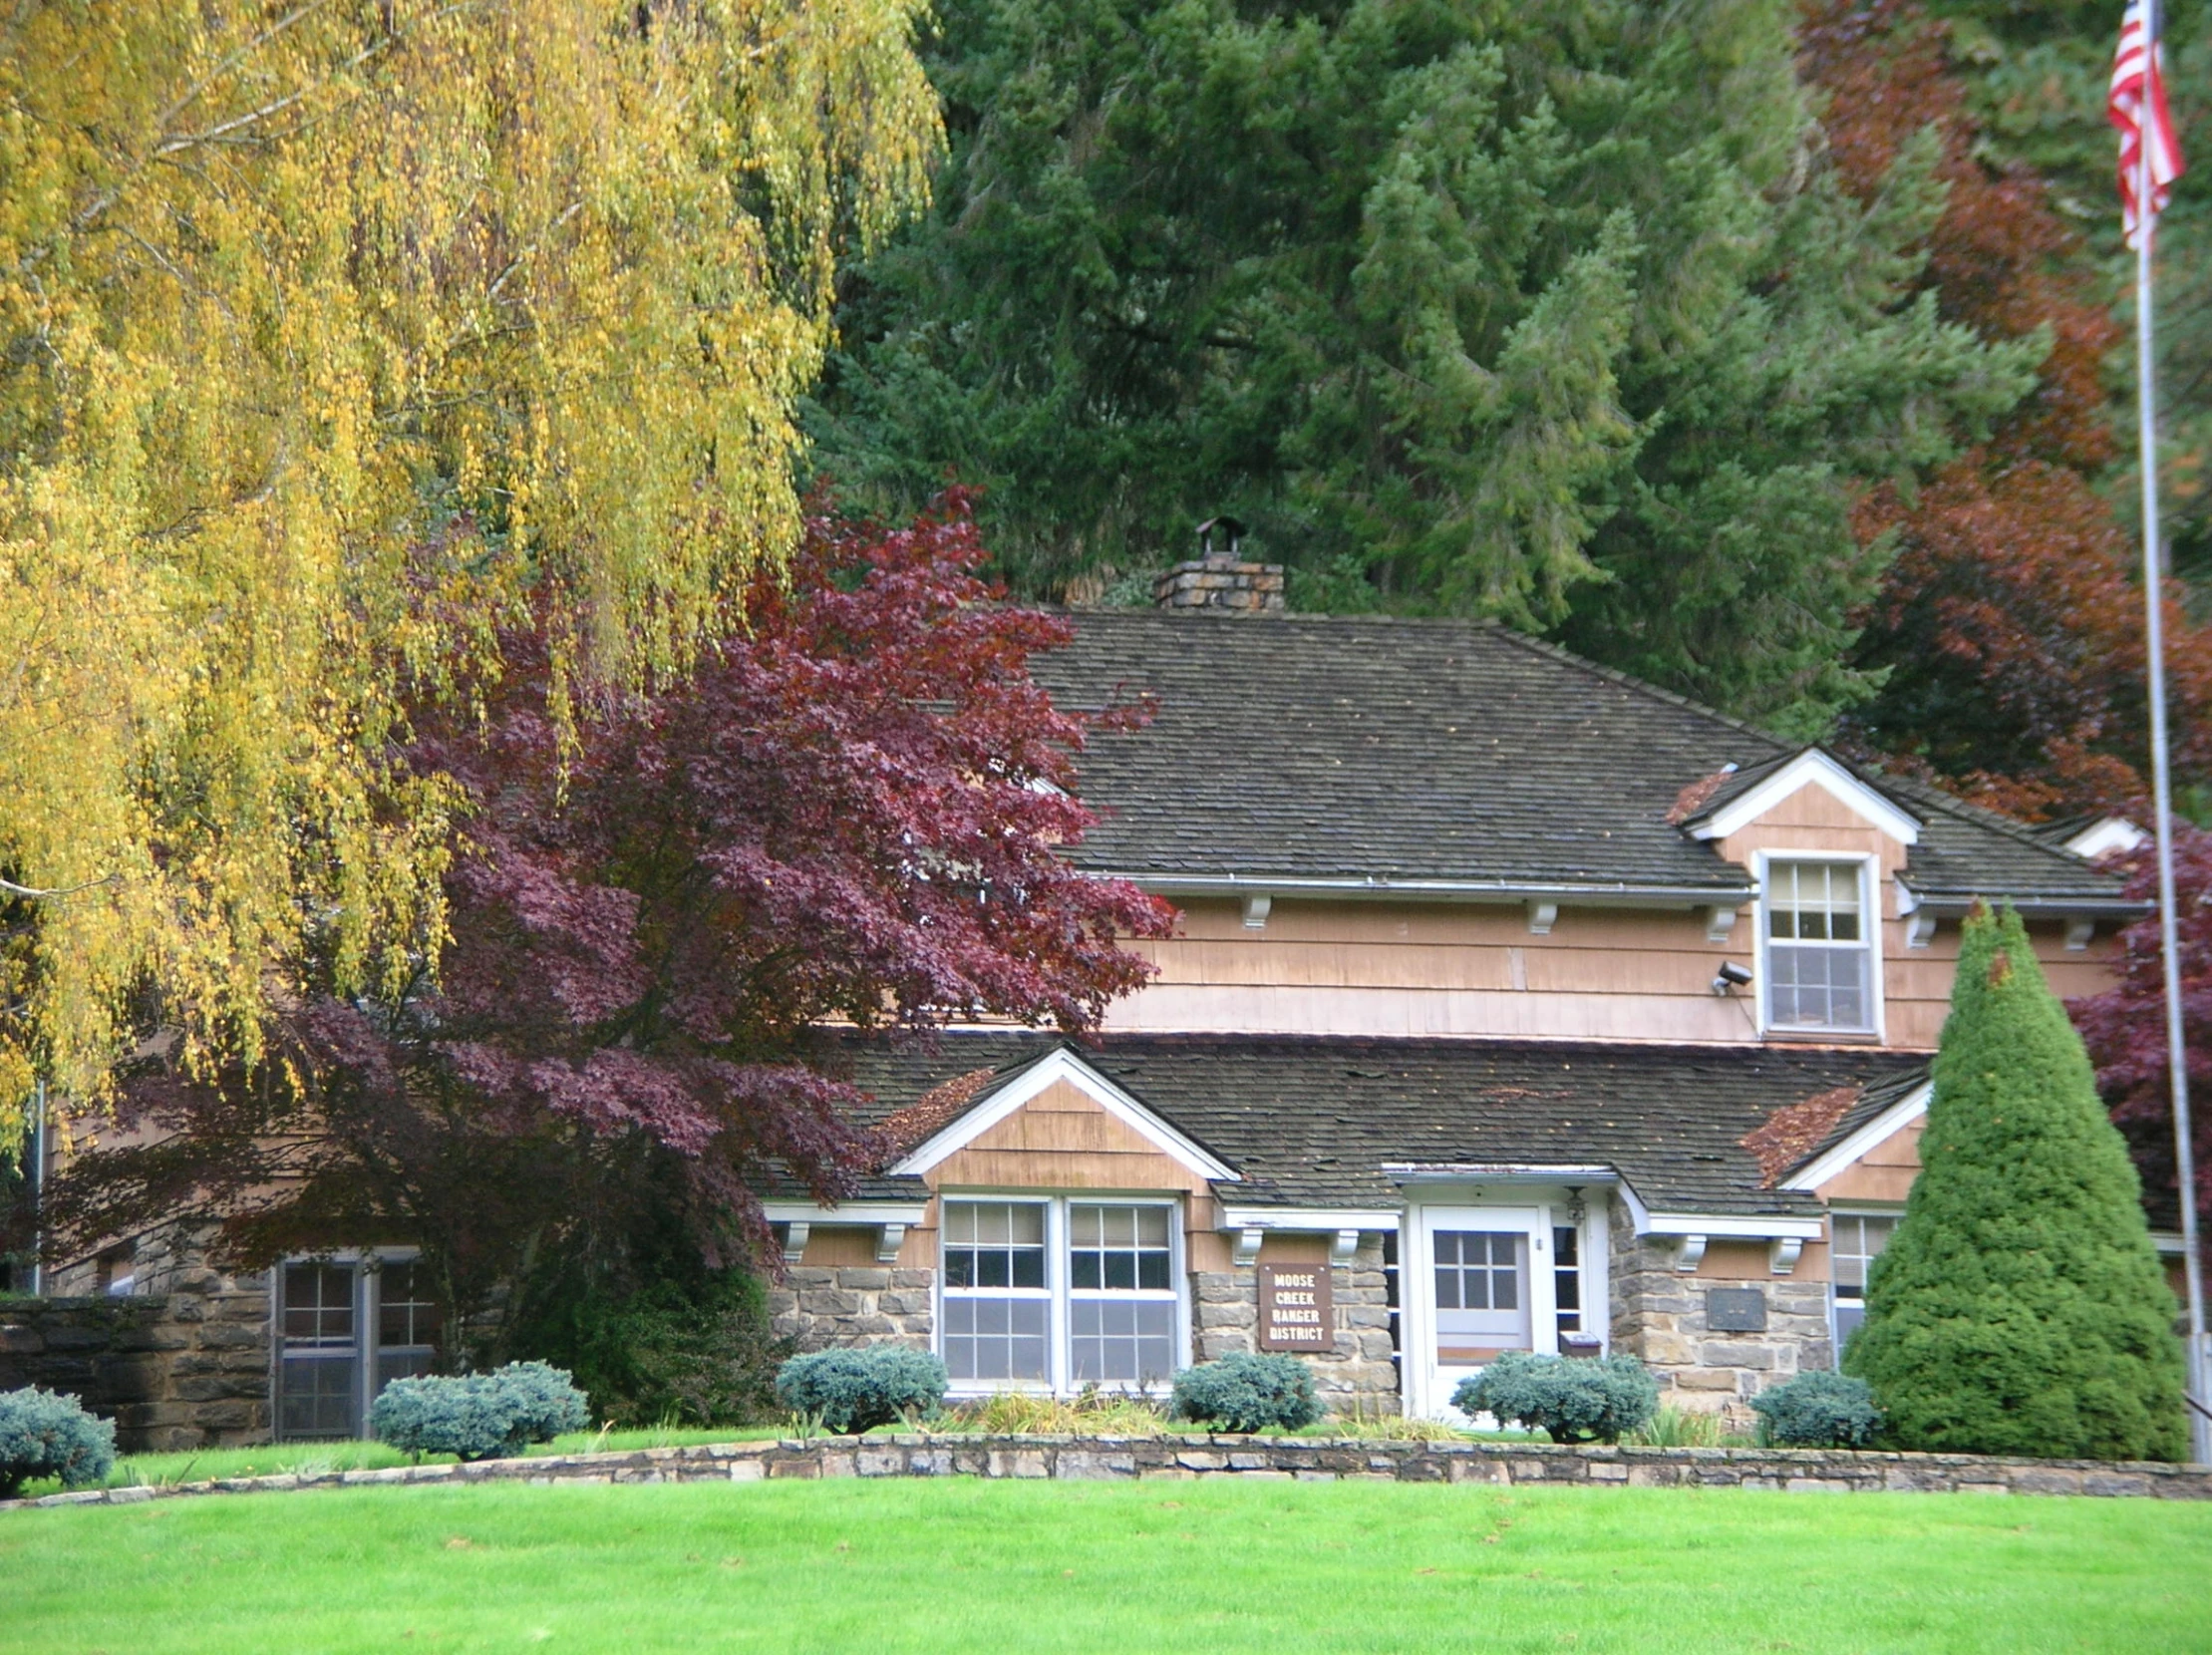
(853, 1390)
(43, 1434)
(2020, 1308)
(1576, 1399)
(1819, 1409)
(1249, 1391)
(478, 1416)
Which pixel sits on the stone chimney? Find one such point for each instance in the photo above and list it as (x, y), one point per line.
(1218, 578)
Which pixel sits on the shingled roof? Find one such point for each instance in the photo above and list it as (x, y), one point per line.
(1384, 751)
(1315, 1121)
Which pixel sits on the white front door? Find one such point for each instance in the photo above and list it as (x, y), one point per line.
(1479, 1283)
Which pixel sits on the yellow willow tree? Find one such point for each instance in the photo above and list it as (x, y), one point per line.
(330, 332)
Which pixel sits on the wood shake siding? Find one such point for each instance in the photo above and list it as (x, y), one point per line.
(1382, 969)
(1062, 1141)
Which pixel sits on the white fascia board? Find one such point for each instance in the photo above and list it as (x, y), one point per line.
(1810, 769)
(1729, 1227)
(1062, 1065)
(2166, 1241)
(2106, 834)
(1953, 906)
(1496, 1173)
(844, 1212)
(1381, 887)
(1900, 1115)
(1300, 1219)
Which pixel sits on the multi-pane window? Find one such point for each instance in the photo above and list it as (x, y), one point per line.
(1856, 1239)
(407, 1321)
(1820, 953)
(1120, 1294)
(318, 1371)
(1066, 1293)
(345, 1330)
(998, 1308)
(1566, 1278)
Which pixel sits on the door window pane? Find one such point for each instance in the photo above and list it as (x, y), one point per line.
(1481, 1295)
(1476, 1271)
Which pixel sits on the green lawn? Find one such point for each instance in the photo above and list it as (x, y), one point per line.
(986, 1566)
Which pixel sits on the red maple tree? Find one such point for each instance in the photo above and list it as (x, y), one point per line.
(2125, 1027)
(854, 813)
(2011, 617)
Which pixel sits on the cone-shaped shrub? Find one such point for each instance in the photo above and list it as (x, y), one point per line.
(2020, 1308)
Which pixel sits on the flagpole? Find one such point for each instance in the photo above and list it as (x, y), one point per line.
(2177, 1054)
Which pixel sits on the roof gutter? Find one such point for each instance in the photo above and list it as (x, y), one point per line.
(1948, 904)
(1382, 888)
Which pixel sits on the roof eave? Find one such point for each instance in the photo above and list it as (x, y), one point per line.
(1388, 887)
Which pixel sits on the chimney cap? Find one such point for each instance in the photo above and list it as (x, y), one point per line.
(1232, 530)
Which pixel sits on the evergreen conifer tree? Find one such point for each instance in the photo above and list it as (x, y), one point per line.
(2020, 1308)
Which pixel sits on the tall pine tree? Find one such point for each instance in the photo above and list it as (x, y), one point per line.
(2020, 1307)
(1556, 314)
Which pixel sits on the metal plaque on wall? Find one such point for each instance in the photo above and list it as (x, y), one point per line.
(1735, 1310)
(1295, 1308)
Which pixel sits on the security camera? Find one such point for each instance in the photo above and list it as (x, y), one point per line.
(1730, 976)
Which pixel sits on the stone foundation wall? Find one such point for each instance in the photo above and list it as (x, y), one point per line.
(1257, 1460)
(180, 1370)
(1661, 1315)
(1357, 1377)
(822, 1307)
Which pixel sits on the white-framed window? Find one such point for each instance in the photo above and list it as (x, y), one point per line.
(1818, 920)
(1060, 1291)
(1855, 1240)
(347, 1326)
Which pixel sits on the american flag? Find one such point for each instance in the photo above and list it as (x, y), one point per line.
(2137, 107)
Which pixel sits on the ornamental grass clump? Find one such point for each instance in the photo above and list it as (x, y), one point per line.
(2020, 1308)
(1819, 1409)
(1245, 1391)
(1573, 1399)
(46, 1435)
(480, 1416)
(851, 1391)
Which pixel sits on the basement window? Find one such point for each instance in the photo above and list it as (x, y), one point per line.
(346, 1328)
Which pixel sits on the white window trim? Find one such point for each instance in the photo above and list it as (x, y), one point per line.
(1871, 906)
(1058, 1291)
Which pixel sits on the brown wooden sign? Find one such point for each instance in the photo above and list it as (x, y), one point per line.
(1295, 1312)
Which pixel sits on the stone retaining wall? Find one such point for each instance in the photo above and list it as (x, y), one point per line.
(185, 1369)
(1258, 1459)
